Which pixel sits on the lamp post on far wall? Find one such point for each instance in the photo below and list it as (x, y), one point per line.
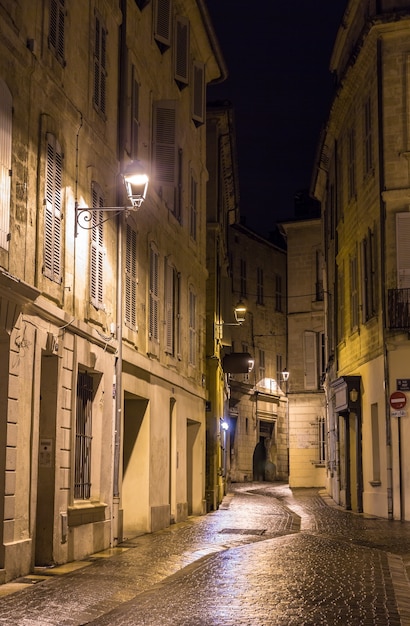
(285, 378)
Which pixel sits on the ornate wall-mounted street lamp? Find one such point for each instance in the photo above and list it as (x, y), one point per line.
(136, 184)
(136, 181)
(240, 313)
(240, 316)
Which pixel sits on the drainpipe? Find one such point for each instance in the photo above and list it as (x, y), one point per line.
(383, 287)
(118, 403)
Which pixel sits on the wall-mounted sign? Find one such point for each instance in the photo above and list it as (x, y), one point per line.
(398, 400)
(403, 384)
(45, 453)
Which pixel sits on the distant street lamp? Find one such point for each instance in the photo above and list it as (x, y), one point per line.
(285, 378)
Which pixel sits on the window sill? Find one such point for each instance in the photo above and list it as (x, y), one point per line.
(86, 512)
(375, 483)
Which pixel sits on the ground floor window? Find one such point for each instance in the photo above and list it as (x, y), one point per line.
(83, 437)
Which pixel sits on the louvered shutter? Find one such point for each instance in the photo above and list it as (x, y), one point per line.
(403, 250)
(5, 162)
(165, 151)
(198, 93)
(52, 216)
(169, 308)
(181, 56)
(310, 356)
(97, 251)
(131, 279)
(162, 22)
(153, 295)
(99, 65)
(57, 25)
(134, 115)
(192, 327)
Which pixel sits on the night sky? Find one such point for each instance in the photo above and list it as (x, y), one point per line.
(280, 86)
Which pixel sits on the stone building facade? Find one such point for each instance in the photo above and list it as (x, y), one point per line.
(222, 211)
(362, 180)
(306, 356)
(257, 408)
(102, 322)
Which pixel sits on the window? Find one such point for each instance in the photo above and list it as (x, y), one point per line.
(153, 295)
(181, 56)
(339, 183)
(310, 360)
(162, 23)
(278, 293)
(198, 93)
(369, 276)
(368, 137)
(83, 437)
(332, 212)
(165, 152)
(134, 115)
(351, 164)
(354, 295)
(319, 279)
(193, 208)
(321, 435)
(177, 208)
(172, 313)
(192, 328)
(279, 369)
(131, 278)
(261, 364)
(56, 29)
(5, 162)
(403, 250)
(100, 62)
(322, 357)
(97, 250)
(53, 210)
(259, 285)
(340, 308)
(242, 278)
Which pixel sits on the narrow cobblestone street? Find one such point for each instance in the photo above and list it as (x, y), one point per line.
(267, 556)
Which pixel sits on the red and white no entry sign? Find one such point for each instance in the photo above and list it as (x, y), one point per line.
(398, 400)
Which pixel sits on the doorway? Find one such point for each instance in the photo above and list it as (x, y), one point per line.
(193, 473)
(135, 479)
(44, 544)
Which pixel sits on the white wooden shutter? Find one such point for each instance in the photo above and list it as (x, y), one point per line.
(162, 22)
(403, 249)
(100, 60)
(198, 92)
(193, 209)
(52, 215)
(57, 25)
(192, 327)
(181, 54)
(5, 162)
(169, 307)
(153, 295)
(131, 278)
(165, 151)
(97, 251)
(310, 356)
(134, 115)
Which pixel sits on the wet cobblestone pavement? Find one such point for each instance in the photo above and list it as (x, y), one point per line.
(268, 556)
